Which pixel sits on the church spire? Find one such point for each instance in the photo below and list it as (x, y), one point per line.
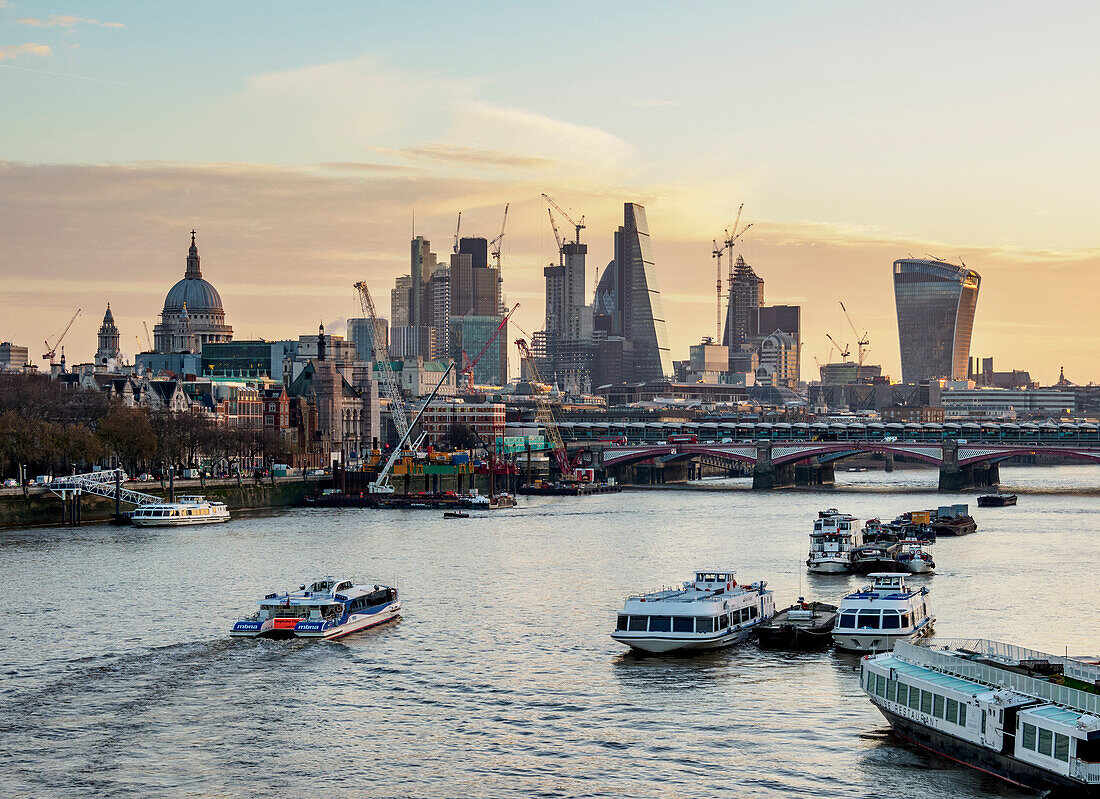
(193, 269)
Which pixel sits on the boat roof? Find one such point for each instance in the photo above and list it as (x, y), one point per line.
(997, 665)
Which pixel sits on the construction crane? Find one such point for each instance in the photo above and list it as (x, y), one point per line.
(862, 342)
(148, 338)
(51, 349)
(469, 368)
(844, 351)
(578, 225)
(496, 244)
(381, 483)
(544, 414)
(717, 254)
(458, 227)
(734, 234)
(557, 237)
(398, 410)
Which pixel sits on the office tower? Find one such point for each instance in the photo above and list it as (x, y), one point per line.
(746, 297)
(788, 319)
(935, 306)
(439, 293)
(628, 301)
(399, 301)
(469, 334)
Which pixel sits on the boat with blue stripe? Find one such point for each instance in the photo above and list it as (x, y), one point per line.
(328, 608)
(873, 618)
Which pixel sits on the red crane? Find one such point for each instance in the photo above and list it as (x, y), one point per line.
(469, 368)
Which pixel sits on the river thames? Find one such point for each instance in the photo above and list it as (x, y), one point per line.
(500, 680)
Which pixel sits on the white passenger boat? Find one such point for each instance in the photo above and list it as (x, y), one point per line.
(872, 619)
(185, 511)
(913, 558)
(329, 608)
(834, 537)
(709, 612)
(1028, 717)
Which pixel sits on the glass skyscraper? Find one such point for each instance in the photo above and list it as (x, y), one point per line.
(936, 303)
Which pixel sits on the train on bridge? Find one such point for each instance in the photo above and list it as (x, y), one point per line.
(1022, 433)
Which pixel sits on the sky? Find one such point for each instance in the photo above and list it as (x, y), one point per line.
(302, 140)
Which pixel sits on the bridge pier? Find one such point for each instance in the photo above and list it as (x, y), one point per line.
(766, 475)
(814, 473)
(957, 477)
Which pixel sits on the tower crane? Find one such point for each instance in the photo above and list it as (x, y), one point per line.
(458, 227)
(862, 342)
(844, 351)
(469, 368)
(557, 236)
(544, 414)
(51, 349)
(148, 338)
(578, 225)
(496, 244)
(717, 254)
(398, 409)
(734, 234)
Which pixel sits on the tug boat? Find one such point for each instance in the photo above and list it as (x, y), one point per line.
(1027, 717)
(804, 625)
(709, 612)
(913, 559)
(187, 511)
(329, 608)
(834, 537)
(872, 619)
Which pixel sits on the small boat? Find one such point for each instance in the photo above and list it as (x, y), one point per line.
(709, 612)
(184, 512)
(804, 625)
(996, 500)
(912, 558)
(455, 514)
(330, 608)
(871, 558)
(834, 536)
(873, 618)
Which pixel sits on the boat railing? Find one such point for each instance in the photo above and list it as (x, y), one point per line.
(936, 654)
(1085, 771)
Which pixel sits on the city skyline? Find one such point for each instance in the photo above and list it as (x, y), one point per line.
(289, 221)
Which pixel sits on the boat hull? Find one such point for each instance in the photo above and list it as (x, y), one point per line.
(788, 636)
(986, 760)
(876, 640)
(656, 645)
(180, 522)
(918, 567)
(280, 629)
(828, 566)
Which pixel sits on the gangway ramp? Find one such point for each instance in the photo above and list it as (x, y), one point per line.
(107, 483)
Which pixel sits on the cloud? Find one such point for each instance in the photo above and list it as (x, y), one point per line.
(473, 157)
(65, 22)
(12, 52)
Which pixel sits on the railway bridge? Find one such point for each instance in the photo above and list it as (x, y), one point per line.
(780, 463)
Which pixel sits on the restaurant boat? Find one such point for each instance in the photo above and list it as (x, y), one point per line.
(709, 612)
(804, 625)
(329, 608)
(874, 618)
(185, 511)
(1028, 717)
(834, 537)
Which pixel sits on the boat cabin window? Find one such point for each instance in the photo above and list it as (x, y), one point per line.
(868, 621)
(683, 624)
(904, 619)
(637, 624)
(343, 586)
(621, 623)
(660, 624)
(704, 624)
(891, 620)
(847, 620)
